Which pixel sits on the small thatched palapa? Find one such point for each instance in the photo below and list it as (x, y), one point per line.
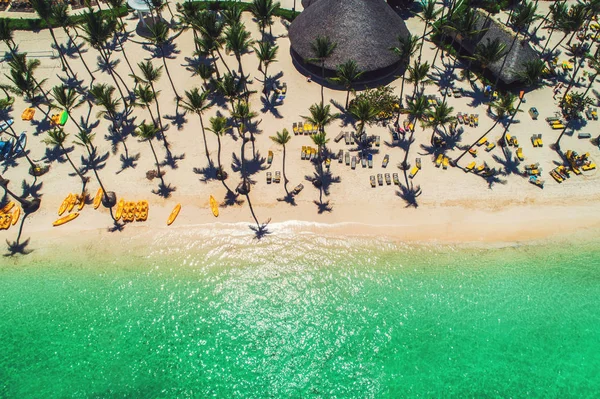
(364, 30)
(520, 53)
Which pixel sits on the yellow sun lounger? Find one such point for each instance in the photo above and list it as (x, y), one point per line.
(413, 172)
(589, 166)
(445, 162)
(473, 151)
(482, 142)
(439, 160)
(520, 154)
(491, 145)
(470, 167)
(558, 126)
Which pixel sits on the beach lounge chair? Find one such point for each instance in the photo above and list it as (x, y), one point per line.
(340, 156)
(552, 119)
(537, 181)
(589, 166)
(457, 92)
(372, 179)
(418, 162)
(481, 167)
(476, 120)
(347, 158)
(380, 179)
(491, 145)
(377, 141)
(353, 162)
(388, 179)
(386, 160)
(270, 157)
(277, 176)
(473, 152)
(445, 162)
(540, 143)
(370, 161)
(438, 160)
(588, 114)
(351, 138)
(300, 128)
(482, 141)
(395, 178)
(584, 136)
(413, 172)
(533, 112)
(307, 127)
(459, 116)
(534, 140)
(515, 141)
(470, 167)
(532, 166)
(347, 138)
(508, 139)
(295, 128)
(27, 115)
(339, 137)
(595, 114)
(269, 178)
(558, 126)
(363, 162)
(556, 176)
(303, 153)
(520, 154)
(297, 189)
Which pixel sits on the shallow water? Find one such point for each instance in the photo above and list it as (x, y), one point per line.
(305, 316)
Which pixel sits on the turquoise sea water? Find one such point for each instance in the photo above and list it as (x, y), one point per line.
(309, 317)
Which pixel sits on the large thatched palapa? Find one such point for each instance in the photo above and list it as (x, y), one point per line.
(364, 30)
(520, 53)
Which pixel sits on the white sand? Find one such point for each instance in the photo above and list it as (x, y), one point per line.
(453, 207)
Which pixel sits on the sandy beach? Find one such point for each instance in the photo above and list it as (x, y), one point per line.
(454, 206)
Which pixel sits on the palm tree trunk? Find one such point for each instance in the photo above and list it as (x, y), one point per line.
(347, 98)
(323, 81)
(162, 129)
(222, 60)
(80, 55)
(156, 161)
(285, 179)
(544, 20)
(422, 43)
(592, 80)
(559, 43)
(572, 81)
(506, 57)
(83, 179)
(214, 58)
(547, 41)
(476, 141)
(221, 172)
(61, 55)
(205, 144)
(25, 204)
(252, 211)
(112, 73)
(13, 134)
(557, 144)
(168, 74)
(105, 195)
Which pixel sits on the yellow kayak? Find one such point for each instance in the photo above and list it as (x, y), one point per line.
(65, 219)
(65, 204)
(5, 221)
(173, 214)
(141, 211)
(119, 211)
(16, 215)
(72, 203)
(98, 198)
(80, 202)
(214, 205)
(7, 208)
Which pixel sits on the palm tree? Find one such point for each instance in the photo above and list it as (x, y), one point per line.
(321, 116)
(230, 88)
(406, 49)
(594, 64)
(56, 138)
(263, 11)
(416, 110)
(232, 14)
(205, 71)
(266, 53)
(243, 114)
(29, 206)
(86, 140)
(61, 15)
(282, 139)
(21, 75)
(6, 34)
(571, 109)
(97, 31)
(417, 73)
(43, 8)
(218, 125)
(363, 111)
(151, 76)
(322, 48)
(67, 98)
(159, 36)
(346, 74)
(558, 11)
(187, 12)
(144, 98)
(525, 15)
(237, 41)
(428, 14)
(211, 27)
(147, 132)
(570, 23)
(320, 140)
(490, 52)
(103, 96)
(533, 72)
(198, 102)
(504, 106)
(440, 115)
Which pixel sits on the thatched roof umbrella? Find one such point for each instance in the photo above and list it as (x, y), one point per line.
(521, 52)
(364, 30)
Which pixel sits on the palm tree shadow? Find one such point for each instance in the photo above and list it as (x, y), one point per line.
(171, 160)
(268, 106)
(18, 247)
(323, 207)
(55, 154)
(510, 164)
(477, 96)
(72, 82)
(409, 194)
(260, 231)
(31, 189)
(252, 166)
(208, 173)
(323, 180)
(493, 178)
(178, 119)
(41, 126)
(128, 162)
(344, 117)
(117, 226)
(93, 161)
(289, 198)
(9, 163)
(444, 78)
(164, 190)
(232, 198)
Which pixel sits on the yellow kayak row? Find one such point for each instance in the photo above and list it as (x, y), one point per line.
(130, 211)
(8, 217)
(69, 203)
